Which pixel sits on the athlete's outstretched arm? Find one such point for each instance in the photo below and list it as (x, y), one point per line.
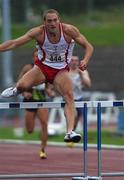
(11, 44)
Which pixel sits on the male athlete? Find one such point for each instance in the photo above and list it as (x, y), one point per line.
(55, 42)
(80, 79)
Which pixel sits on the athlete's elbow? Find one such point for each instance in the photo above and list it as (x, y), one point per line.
(91, 48)
(14, 44)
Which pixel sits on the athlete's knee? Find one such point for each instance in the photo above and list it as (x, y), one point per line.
(44, 124)
(22, 85)
(29, 130)
(69, 96)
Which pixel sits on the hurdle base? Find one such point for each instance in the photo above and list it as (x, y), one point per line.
(87, 178)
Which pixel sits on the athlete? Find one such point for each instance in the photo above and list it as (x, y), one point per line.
(36, 94)
(80, 80)
(55, 41)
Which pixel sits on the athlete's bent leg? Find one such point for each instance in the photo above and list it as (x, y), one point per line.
(31, 78)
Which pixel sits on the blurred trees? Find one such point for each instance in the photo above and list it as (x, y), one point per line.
(18, 10)
(73, 6)
(105, 3)
(68, 7)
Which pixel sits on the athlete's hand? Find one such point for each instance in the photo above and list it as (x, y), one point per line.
(83, 65)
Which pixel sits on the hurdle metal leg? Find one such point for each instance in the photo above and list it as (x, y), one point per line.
(85, 138)
(85, 144)
(99, 138)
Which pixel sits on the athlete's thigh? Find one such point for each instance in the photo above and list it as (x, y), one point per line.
(32, 77)
(63, 83)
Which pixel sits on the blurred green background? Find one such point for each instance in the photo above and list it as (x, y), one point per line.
(101, 21)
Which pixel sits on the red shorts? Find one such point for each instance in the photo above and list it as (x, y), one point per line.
(49, 72)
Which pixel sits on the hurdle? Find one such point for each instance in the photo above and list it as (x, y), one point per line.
(86, 104)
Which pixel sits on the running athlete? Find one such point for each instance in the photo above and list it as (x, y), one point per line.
(36, 94)
(80, 79)
(55, 42)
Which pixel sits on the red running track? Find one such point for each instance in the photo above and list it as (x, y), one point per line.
(24, 158)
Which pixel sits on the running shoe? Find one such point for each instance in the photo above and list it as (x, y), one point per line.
(72, 137)
(9, 92)
(43, 155)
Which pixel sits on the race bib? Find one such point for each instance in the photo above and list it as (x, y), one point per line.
(55, 58)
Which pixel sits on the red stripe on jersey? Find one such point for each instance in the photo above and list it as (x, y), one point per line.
(66, 55)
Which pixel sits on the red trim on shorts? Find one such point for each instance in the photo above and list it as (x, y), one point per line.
(49, 72)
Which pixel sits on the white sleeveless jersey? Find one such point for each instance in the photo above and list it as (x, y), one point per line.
(55, 55)
(77, 85)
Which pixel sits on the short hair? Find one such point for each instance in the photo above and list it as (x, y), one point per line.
(50, 11)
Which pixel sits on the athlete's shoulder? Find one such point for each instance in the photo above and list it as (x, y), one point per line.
(36, 30)
(70, 29)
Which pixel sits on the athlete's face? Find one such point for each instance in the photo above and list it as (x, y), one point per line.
(74, 64)
(52, 22)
